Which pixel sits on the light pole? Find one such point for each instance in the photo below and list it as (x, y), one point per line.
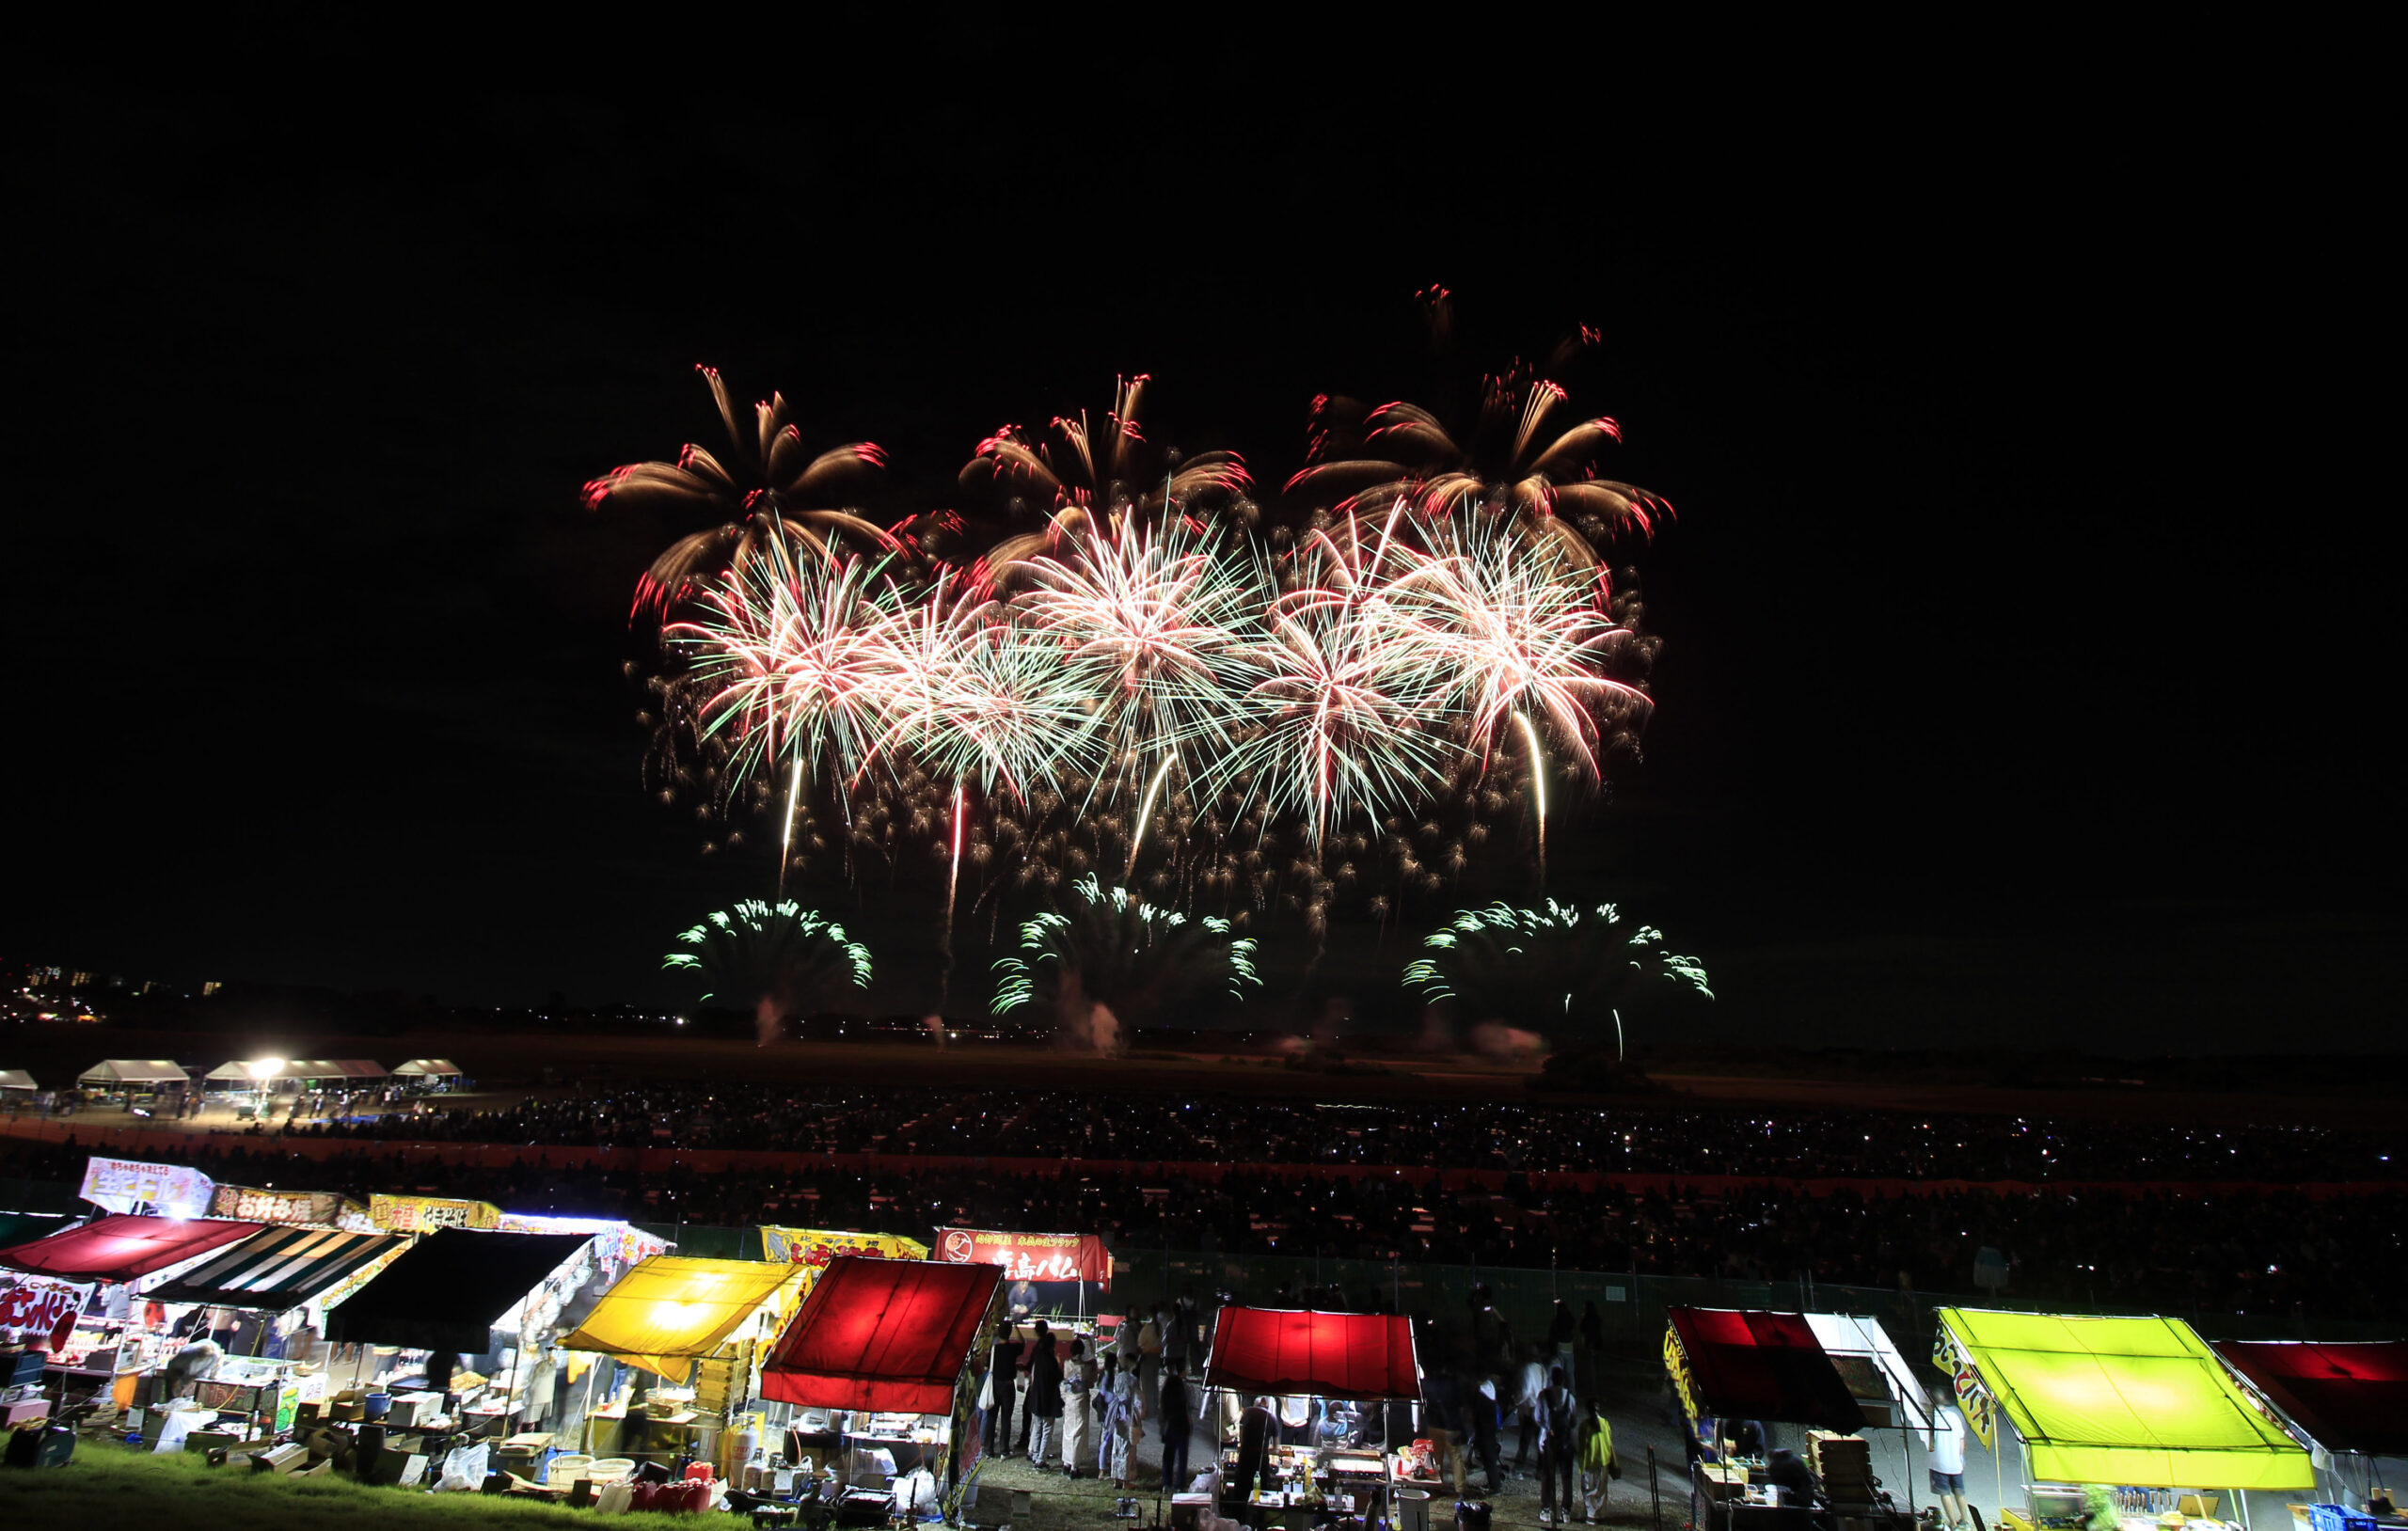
(261, 1070)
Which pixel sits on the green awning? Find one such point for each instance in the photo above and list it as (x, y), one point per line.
(2139, 1402)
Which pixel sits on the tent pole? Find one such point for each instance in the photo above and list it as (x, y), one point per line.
(1998, 1463)
(1906, 1451)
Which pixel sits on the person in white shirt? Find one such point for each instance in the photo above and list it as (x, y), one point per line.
(1526, 1407)
(1946, 1440)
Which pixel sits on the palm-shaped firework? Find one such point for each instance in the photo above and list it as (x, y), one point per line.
(1515, 458)
(1560, 970)
(1115, 961)
(781, 960)
(1087, 474)
(768, 484)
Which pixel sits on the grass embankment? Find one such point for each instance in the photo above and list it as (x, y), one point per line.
(110, 1488)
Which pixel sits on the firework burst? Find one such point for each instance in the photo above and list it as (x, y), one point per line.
(1516, 625)
(793, 657)
(1147, 687)
(1150, 622)
(766, 485)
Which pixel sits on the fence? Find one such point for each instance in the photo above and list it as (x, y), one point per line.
(1630, 1306)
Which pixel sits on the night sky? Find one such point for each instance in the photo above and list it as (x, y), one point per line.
(2021, 660)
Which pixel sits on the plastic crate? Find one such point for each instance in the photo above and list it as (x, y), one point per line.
(2339, 1518)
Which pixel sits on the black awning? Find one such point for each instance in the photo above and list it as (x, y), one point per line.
(277, 1269)
(1753, 1365)
(449, 1292)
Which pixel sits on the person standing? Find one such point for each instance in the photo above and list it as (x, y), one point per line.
(1481, 1400)
(1599, 1466)
(1442, 1410)
(1149, 1358)
(1743, 1439)
(1257, 1428)
(1178, 1344)
(1528, 1383)
(1124, 1424)
(1558, 1428)
(1178, 1422)
(1078, 1394)
(1946, 1442)
(1027, 1355)
(1003, 1380)
(1044, 1396)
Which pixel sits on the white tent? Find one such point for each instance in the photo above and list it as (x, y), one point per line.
(16, 1079)
(428, 1068)
(334, 1068)
(152, 1071)
(1869, 1362)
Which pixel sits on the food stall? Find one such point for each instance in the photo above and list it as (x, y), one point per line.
(264, 1300)
(700, 1326)
(2346, 1399)
(1338, 1458)
(469, 1314)
(881, 1368)
(2133, 1419)
(119, 1335)
(1831, 1376)
(291, 1273)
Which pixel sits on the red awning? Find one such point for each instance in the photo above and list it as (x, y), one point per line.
(1751, 1365)
(889, 1335)
(1326, 1355)
(2346, 1396)
(124, 1248)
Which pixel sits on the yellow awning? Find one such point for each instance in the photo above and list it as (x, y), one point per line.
(669, 1312)
(2122, 1400)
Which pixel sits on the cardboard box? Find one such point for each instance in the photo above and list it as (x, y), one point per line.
(23, 1413)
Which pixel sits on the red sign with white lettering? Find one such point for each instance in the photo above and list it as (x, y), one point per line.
(1029, 1256)
(40, 1310)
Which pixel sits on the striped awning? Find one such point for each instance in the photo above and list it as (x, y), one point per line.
(279, 1268)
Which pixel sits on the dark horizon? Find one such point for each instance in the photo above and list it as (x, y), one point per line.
(2008, 685)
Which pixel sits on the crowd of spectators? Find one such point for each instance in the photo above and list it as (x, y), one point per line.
(1621, 1139)
(2256, 1251)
